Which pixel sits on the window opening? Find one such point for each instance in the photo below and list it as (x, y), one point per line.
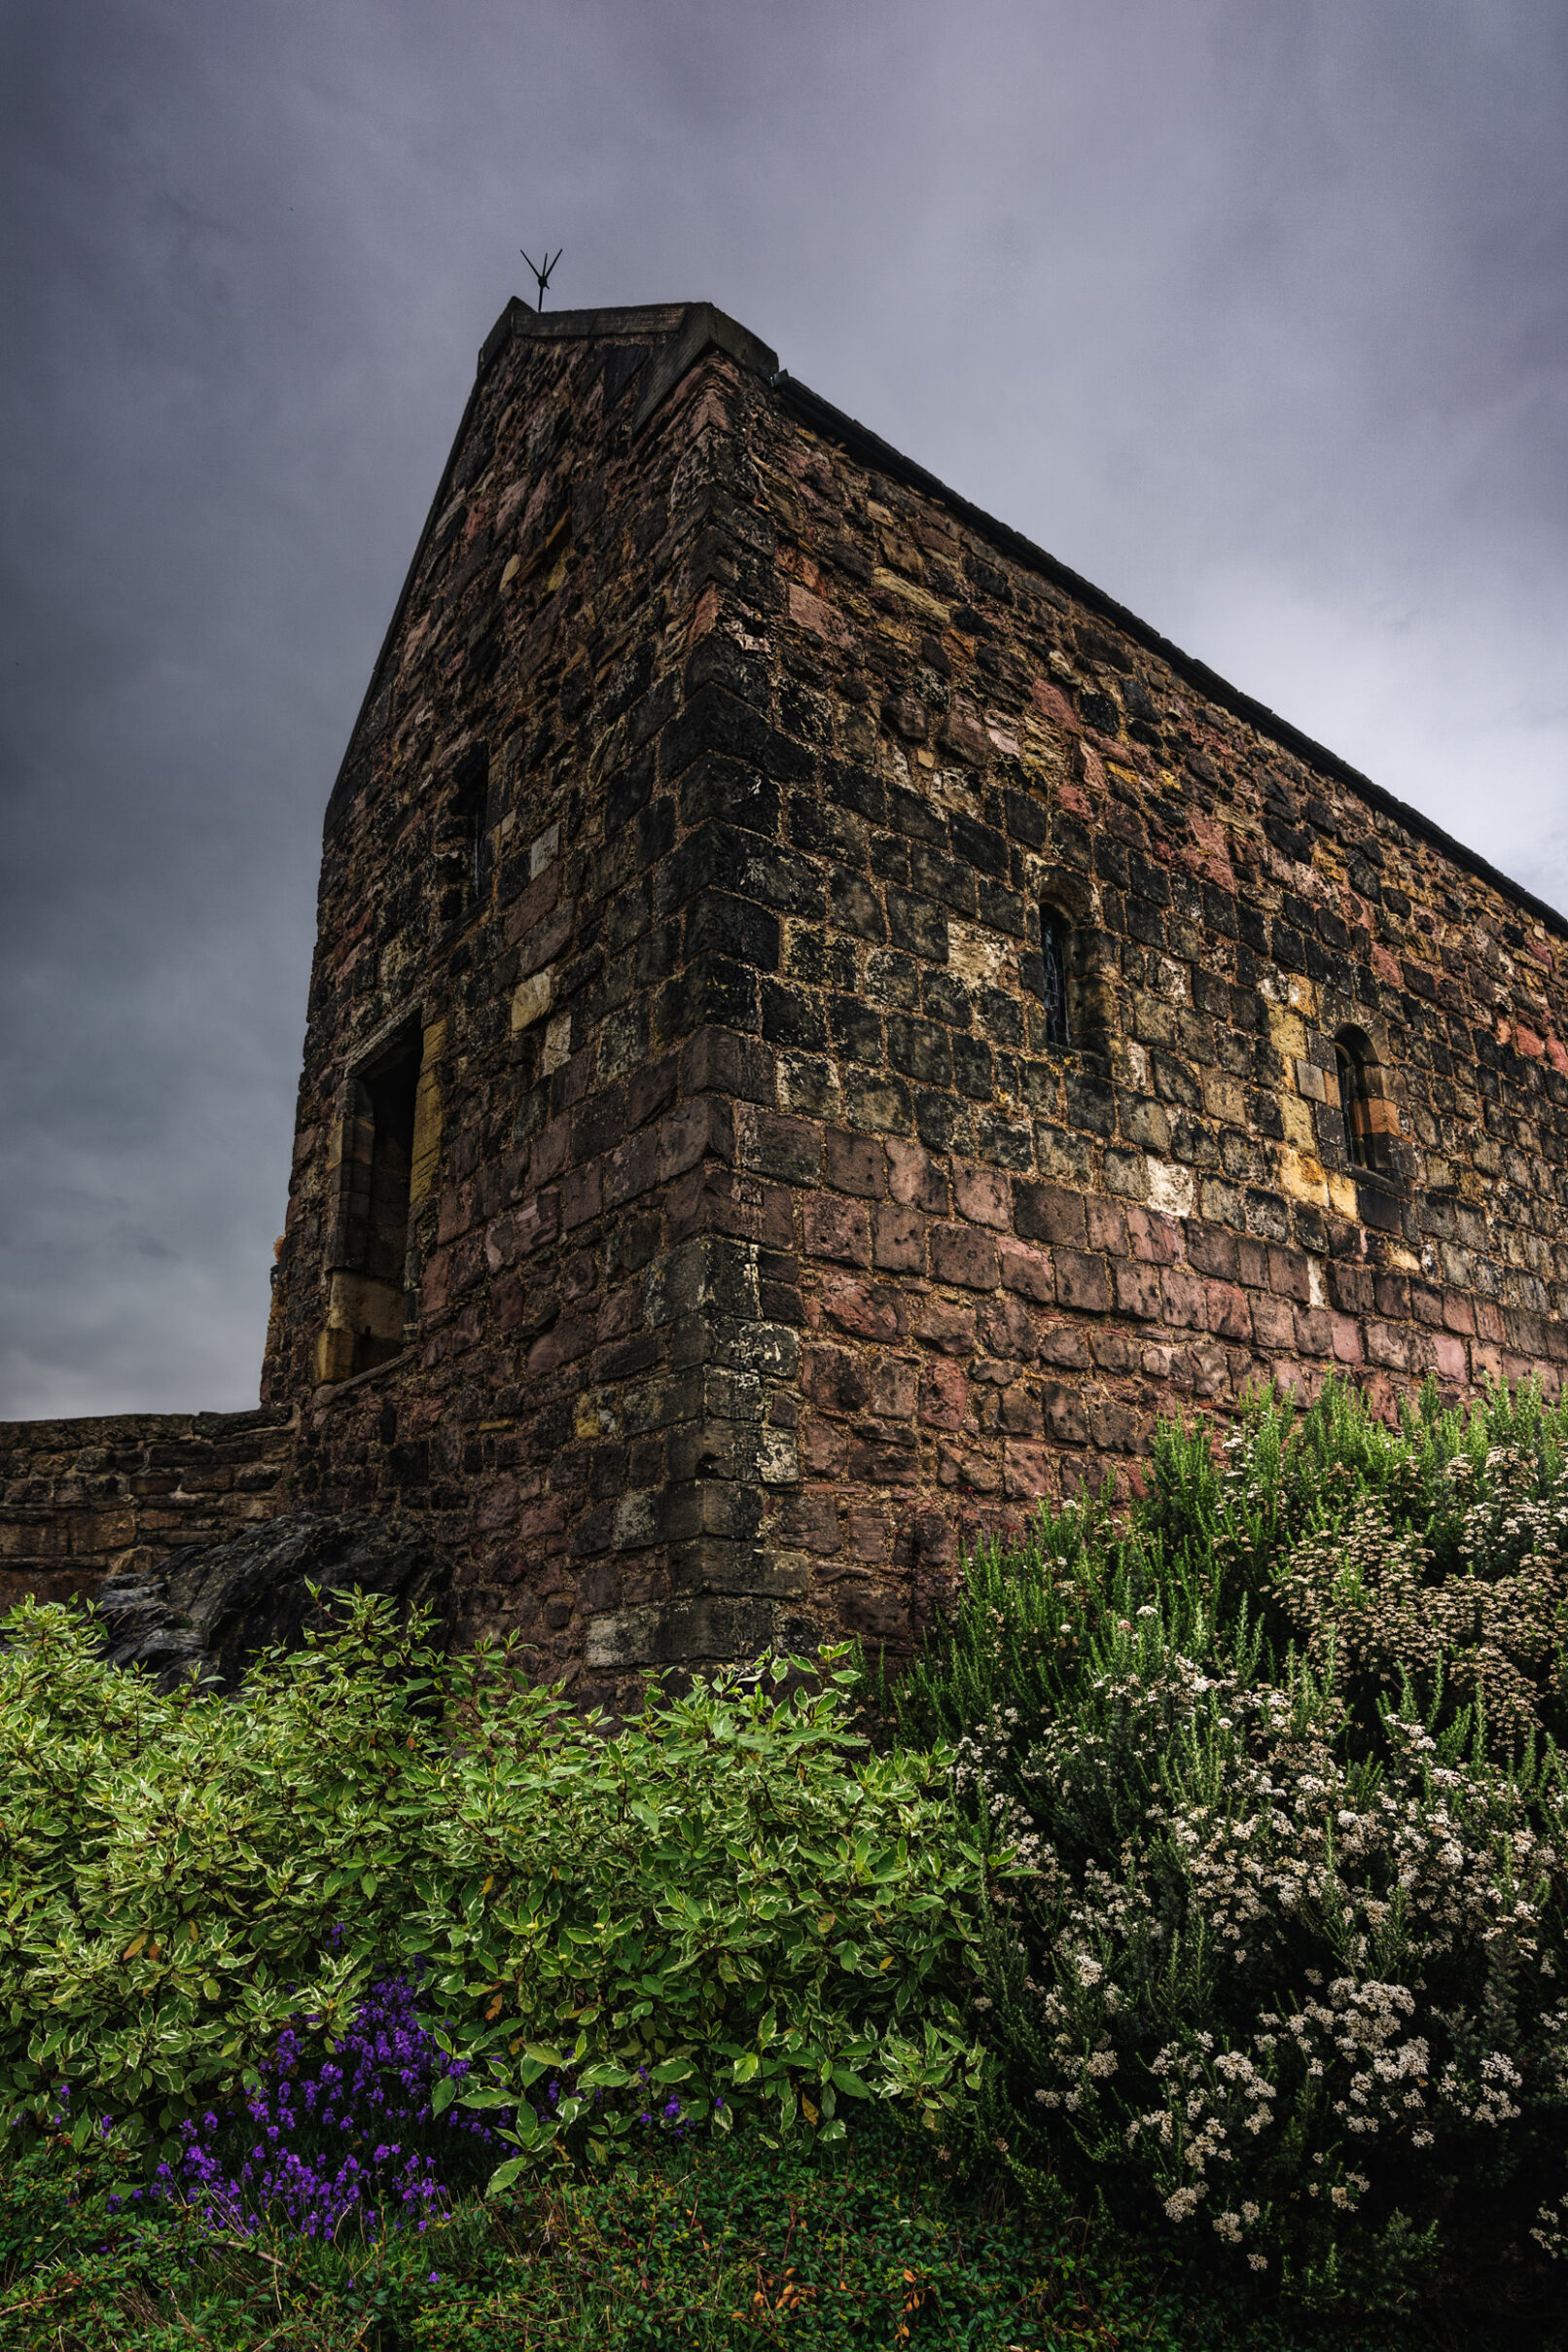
(383, 1183)
(471, 809)
(1053, 987)
(1352, 1061)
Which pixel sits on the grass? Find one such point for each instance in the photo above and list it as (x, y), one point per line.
(728, 2242)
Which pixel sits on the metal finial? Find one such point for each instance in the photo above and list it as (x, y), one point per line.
(541, 275)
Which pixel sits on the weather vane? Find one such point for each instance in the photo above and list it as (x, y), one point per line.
(543, 275)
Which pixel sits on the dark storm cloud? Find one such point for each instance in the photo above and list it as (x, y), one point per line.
(1256, 316)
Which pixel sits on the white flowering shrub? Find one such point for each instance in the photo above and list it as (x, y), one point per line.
(1282, 1958)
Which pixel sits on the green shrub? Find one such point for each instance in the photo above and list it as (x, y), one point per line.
(731, 1901)
(1285, 1955)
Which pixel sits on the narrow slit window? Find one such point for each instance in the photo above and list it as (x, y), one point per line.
(1352, 1061)
(471, 810)
(373, 1297)
(1053, 979)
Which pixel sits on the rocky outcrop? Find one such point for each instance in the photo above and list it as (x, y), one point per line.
(212, 1611)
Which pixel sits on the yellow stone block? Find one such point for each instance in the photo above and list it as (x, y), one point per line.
(1303, 1177)
(532, 998)
(1298, 1123)
(1287, 1032)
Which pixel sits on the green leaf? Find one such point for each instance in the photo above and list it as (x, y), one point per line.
(505, 2174)
(605, 2078)
(442, 2097)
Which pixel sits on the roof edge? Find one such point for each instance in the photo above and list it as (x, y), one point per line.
(690, 331)
(856, 438)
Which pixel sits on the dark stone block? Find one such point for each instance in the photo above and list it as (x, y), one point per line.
(206, 1618)
(713, 720)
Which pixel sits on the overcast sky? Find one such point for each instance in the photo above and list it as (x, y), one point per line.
(1251, 311)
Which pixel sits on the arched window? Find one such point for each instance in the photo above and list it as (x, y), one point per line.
(1361, 1100)
(1053, 945)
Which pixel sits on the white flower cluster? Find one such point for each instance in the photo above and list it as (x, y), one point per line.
(1260, 1846)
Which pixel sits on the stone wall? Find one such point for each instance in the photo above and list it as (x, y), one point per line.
(764, 1236)
(83, 1498)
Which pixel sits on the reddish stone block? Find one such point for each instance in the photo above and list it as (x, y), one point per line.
(497, 1503)
(878, 1462)
(1026, 1471)
(1065, 1416)
(1020, 1412)
(1137, 1289)
(694, 1132)
(868, 1537)
(1392, 1295)
(943, 1323)
(822, 1448)
(891, 1383)
(968, 1469)
(1156, 1239)
(808, 1522)
(866, 1313)
(855, 1164)
(1028, 1270)
(984, 1195)
(834, 1379)
(914, 1179)
(552, 1152)
(959, 1255)
(944, 1393)
(1107, 1226)
(1350, 1287)
(1044, 1212)
(1273, 1321)
(769, 1144)
(1117, 1429)
(572, 1337)
(1387, 1345)
(1183, 1293)
(1213, 1251)
(1083, 1282)
(1006, 1326)
(1314, 1330)
(1290, 1276)
(456, 1212)
(1347, 1347)
(1115, 1351)
(838, 1228)
(875, 1615)
(1225, 1310)
(898, 1240)
(1252, 1261)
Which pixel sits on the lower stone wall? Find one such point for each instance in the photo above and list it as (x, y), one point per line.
(787, 1425)
(83, 1498)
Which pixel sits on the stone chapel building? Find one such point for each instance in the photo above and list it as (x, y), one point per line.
(823, 1029)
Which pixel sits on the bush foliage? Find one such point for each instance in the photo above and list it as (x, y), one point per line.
(731, 1903)
(1207, 1878)
(1284, 1958)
